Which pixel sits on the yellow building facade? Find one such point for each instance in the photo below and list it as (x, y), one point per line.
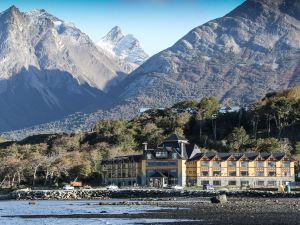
(177, 162)
(240, 169)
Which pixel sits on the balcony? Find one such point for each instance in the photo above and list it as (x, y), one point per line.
(243, 168)
(231, 168)
(216, 168)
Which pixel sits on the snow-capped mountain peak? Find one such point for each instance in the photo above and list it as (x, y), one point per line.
(50, 63)
(125, 48)
(114, 35)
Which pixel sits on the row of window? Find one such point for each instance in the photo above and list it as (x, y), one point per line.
(244, 174)
(161, 163)
(161, 155)
(242, 183)
(118, 166)
(244, 164)
(119, 175)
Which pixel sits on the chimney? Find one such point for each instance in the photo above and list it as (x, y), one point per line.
(145, 146)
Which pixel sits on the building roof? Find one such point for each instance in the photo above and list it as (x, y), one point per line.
(175, 138)
(192, 150)
(238, 155)
(132, 158)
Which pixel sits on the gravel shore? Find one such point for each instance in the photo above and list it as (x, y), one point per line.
(236, 211)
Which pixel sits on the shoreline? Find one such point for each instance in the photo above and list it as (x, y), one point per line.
(102, 194)
(237, 211)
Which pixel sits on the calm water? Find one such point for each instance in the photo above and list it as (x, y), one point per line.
(69, 207)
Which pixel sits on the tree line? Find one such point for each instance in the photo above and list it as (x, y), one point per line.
(269, 125)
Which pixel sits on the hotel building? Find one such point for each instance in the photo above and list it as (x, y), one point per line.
(177, 162)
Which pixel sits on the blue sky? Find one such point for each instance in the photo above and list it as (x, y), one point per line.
(158, 24)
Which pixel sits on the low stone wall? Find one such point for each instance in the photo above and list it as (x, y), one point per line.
(140, 193)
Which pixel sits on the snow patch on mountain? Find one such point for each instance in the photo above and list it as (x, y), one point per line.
(125, 48)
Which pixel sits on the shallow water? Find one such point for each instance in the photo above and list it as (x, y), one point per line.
(11, 208)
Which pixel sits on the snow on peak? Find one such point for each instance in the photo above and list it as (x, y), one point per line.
(114, 35)
(126, 48)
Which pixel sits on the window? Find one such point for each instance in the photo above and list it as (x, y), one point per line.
(244, 183)
(232, 182)
(244, 164)
(272, 183)
(217, 183)
(204, 182)
(260, 183)
(204, 173)
(244, 173)
(260, 173)
(232, 173)
(204, 163)
(232, 163)
(149, 156)
(286, 174)
(216, 173)
(174, 155)
(260, 163)
(271, 164)
(286, 164)
(161, 155)
(216, 164)
(271, 174)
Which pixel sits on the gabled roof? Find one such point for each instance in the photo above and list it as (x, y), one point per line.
(224, 155)
(210, 155)
(278, 155)
(192, 150)
(238, 155)
(248, 155)
(281, 155)
(197, 157)
(175, 138)
(264, 155)
(251, 155)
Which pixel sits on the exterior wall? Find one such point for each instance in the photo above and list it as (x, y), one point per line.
(143, 172)
(173, 166)
(243, 175)
(181, 172)
(126, 173)
(191, 172)
(122, 173)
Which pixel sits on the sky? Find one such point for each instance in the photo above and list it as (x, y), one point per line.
(157, 24)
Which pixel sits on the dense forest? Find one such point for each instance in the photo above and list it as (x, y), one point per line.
(271, 124)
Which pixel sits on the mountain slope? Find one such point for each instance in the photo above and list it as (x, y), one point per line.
(125, 48)
(253, 50)
(240, 57)
(48, 69)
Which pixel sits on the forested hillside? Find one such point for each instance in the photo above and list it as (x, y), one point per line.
(271, 124)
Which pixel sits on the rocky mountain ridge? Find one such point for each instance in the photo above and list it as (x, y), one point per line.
(253, 50)
(238, 58)
(125, 48)
(48, 69)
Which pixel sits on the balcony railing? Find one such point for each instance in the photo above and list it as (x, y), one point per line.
(231, 168)
(243, 168)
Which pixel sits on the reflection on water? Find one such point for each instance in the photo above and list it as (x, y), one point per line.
(70, 207)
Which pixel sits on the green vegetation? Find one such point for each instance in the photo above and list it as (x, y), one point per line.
(271, 124)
